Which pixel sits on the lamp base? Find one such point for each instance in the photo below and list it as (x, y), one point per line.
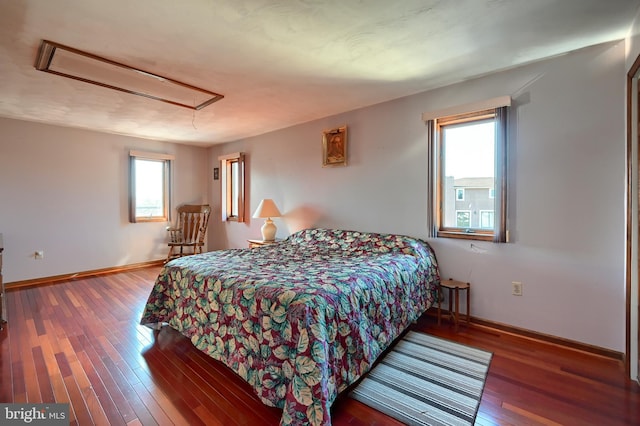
(268, 230)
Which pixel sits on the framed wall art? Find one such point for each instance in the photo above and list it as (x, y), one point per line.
(334, 147)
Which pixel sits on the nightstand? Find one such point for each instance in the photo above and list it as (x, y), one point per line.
(260, 243)
(455, 287)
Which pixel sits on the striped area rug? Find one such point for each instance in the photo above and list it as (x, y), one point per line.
(425, 380)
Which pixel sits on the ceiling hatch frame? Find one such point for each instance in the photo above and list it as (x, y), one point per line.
(58, 59)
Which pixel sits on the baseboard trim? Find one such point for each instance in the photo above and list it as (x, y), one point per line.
(475, 321)
(95, 272)
(560, 341)
(530, 334)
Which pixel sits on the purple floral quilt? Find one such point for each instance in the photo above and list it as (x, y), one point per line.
(299, 320)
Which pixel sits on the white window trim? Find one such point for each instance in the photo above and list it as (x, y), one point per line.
(500, 101)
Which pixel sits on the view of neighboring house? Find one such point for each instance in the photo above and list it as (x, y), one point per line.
(469, 202)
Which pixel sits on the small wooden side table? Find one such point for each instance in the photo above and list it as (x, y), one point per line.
(454, 287)
(258, 243)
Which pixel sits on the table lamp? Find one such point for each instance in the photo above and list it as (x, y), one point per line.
(267, 209)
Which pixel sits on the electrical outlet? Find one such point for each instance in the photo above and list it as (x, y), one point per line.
(516, 288)
(39, 254)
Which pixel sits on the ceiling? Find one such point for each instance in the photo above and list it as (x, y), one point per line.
(278, 62)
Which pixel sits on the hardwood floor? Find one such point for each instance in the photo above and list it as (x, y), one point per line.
(79, 342)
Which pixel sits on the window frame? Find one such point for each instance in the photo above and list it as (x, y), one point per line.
(166, 160)
(227, 189)
(500, 176)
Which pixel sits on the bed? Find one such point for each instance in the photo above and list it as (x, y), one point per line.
(302, 319)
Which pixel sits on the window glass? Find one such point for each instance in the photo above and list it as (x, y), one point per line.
(468, 173)
(149, 194)
(149, 188)
(235, 185)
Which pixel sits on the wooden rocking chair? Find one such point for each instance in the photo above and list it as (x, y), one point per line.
(188, 234)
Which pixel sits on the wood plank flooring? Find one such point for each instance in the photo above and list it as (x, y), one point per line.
(79, 342)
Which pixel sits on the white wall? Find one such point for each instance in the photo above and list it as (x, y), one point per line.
(65, 191)
(567, 188)
(632, 49)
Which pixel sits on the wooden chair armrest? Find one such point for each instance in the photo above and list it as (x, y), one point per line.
(175, 234)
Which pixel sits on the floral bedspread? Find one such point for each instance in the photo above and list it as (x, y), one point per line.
(299, 320)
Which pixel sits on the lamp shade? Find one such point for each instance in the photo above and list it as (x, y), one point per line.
(267, 208)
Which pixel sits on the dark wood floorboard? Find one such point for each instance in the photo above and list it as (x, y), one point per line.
(79, 342)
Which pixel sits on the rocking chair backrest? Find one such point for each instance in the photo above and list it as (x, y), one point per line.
(192, 222)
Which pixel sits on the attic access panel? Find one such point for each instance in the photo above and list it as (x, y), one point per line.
(68, 62)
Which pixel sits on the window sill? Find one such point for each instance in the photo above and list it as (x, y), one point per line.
(481, 236)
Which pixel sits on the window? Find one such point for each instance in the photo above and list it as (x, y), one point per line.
(149, 186)
(463, 218)
(468, 160)
(232, 167)
(486, 219)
